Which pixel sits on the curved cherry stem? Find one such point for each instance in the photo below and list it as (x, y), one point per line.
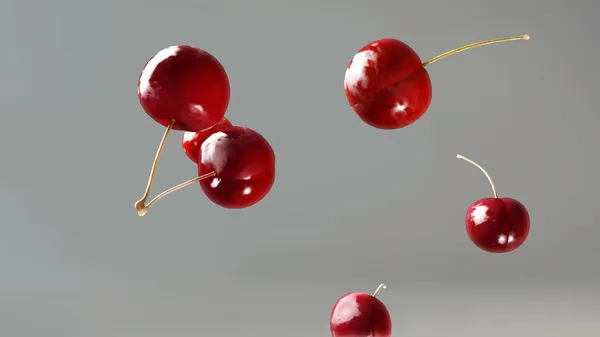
(140, 204)
(381, 286)
(143, 210)
(475, 45)
(482, 170)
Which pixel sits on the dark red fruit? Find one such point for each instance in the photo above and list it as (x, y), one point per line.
(497, 225)
(244, 166)
(360, 315)
(386, 84)
(185, 84)
(191, 141)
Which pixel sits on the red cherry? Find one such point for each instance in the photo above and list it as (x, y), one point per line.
(387, 85)
(185, 84)
(244, 166)
(496, 225)
(360, 315)
(236, 169)
(191, 141)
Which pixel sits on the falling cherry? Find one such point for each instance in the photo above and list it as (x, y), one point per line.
(360, 315)
(184, 87)
(236, 169)
(388, 86)
(496, 225)
(244, 165)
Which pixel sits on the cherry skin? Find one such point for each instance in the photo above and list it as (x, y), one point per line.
(184, 84)
(360, 315)
(497, 225)
(191, 141)
(243, 163)
(386, 84)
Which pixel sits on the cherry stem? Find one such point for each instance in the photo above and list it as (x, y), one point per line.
(140, 204)
(475, 45)
(142, 211)
(381, 286)
(482, 170)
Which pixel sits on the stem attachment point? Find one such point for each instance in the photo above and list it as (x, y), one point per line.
(482, 170)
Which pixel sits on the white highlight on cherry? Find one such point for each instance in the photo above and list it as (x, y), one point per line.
(215, 182)
(356, 73)
(199, 109)
(346, 310)
(188, 136)
(210, 153)
(503, 239)
(145, 88)
(479, 214)
(400, 108)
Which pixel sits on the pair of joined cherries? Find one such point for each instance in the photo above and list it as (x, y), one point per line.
(186, 88)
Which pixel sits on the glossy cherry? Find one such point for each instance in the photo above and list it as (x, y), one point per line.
(387, 85)
(244, 165)
(191, 141)
(496, 225)
(236, 169)
(186, 85)
(360, 315)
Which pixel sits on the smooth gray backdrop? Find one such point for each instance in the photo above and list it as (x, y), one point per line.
(352, 206)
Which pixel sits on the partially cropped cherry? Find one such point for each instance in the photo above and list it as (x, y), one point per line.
(387, 85)
(496, 225)
(236, 168)
(191, 141)
(360, 315)
(182, 88)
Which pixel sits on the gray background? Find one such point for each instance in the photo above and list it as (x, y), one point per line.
(352, 206)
